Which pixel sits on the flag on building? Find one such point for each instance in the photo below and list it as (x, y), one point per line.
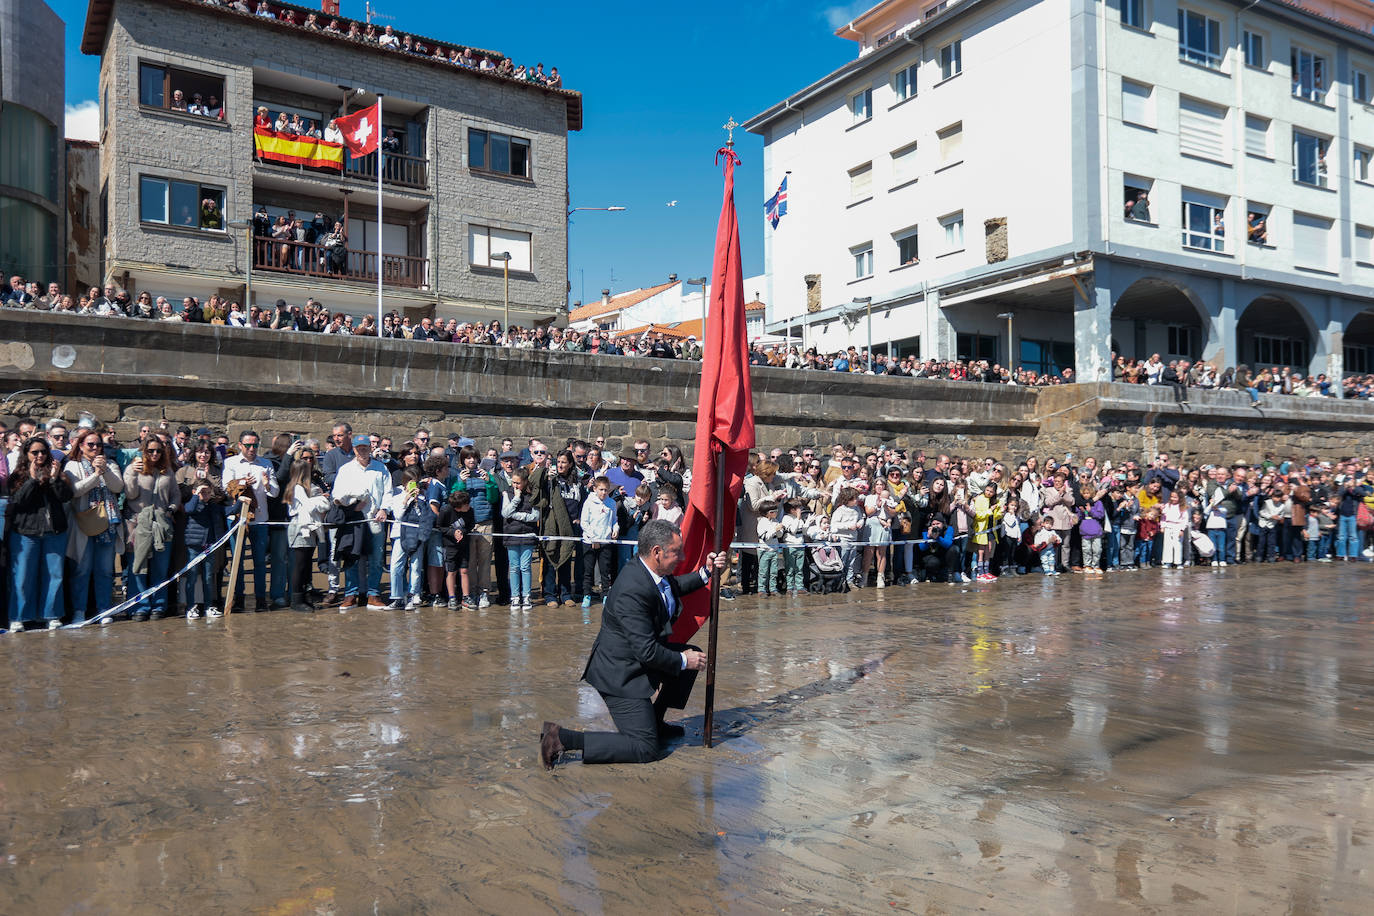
(361, 130)
(776, 207)
(282, 147)
(725, 412)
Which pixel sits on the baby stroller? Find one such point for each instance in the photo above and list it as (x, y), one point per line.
(826, 570)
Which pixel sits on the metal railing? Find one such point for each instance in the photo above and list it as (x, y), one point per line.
(336, 263)
(400, 170)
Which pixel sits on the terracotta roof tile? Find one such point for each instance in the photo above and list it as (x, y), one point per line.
(617, 303)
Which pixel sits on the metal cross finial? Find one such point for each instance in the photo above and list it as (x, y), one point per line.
(729, 128)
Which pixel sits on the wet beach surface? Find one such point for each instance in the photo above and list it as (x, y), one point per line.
(1190, 741)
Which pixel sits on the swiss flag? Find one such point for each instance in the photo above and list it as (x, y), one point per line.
(361, 130)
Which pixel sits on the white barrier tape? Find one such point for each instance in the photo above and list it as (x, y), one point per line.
(149, 592)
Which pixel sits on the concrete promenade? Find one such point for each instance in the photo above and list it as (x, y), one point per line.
(1193, 741)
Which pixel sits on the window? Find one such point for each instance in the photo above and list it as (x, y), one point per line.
(1046, 357)
(908, 249)
(1309, 158)
(861, 182)
(935, 9)
(1280, 351)
(976, 346)
(180, 203)
(1181, 340)
(863, 260)
(1136, 194)
(1362, 158)
(493, 152)
(1359, 359)
(951, 144)
(1311, 241)
(1257, 136)
(1202, 130)
(951, 60)
(862, 105)
(1364, 244)
(176, 89)
(1359, 86)
(904, 165)
(29, 147)
(1309, 75)
(1257, 223)
(954, 231)
(1204, 221)
(1133, 13)
(1254, 50)
(1199, 39)
(1137, 103)
(904, 82)
(490, 240)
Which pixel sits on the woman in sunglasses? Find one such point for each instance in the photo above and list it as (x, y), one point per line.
(151, 502)
(202, 498)
(96, 482)
(37, 530)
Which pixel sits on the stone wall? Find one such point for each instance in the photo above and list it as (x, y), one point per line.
(126, 371)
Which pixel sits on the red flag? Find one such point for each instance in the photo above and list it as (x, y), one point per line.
(362, 130)
(725, 411)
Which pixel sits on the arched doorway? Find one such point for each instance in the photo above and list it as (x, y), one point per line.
(1159, 316)
(1273, 331)
(1359, 344)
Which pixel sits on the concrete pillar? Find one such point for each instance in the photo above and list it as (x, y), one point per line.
(1092, 326)
(1221, 349)
(937, 341)
(1333, 338)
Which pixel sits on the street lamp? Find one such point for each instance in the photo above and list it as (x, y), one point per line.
(567, 246)
(504, 258)
(701, 281)
(867, 303)
(247, 225)
(1008, 316)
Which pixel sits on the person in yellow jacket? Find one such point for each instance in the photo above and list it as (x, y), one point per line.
(987, 512)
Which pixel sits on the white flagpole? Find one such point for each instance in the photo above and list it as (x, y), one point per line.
(380, 155)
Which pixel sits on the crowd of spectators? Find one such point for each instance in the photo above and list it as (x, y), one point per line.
(388, 39)
(294, 238)
(468, 527)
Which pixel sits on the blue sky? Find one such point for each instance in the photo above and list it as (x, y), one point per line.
(657, 81)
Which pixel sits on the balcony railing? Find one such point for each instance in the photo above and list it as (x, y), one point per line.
(400, 170)
(307, 259)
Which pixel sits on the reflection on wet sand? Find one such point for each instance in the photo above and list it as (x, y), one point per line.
(1196, 741)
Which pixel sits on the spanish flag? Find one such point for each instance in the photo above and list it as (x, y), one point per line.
(281, 147)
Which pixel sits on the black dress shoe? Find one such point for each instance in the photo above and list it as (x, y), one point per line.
(141, 616)
(550, 748)
(668, 730)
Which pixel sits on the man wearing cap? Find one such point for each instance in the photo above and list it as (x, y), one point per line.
(361, 485)
(505, 464)
(691, 349)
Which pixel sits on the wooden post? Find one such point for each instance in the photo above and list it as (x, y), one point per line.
(709, 722)
(237, 562)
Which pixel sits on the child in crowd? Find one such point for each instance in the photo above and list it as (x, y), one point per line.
(666, 507)
(1047, 543)
(845, 522)
(1125, 519)
(1146, 527)
(793, 551)
(455, 520)
(599, 525)
(1173, 520)
(987, 513)
(638, 509)
(879, 508)
(1091, 531)
(410, 530)
(769, 532)
(521, 522)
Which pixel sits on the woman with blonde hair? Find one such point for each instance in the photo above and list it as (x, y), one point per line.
(96, 486)
(151, 501)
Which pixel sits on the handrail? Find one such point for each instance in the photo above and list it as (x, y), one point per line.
(337, 262)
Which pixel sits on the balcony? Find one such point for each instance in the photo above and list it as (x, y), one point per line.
(348, 264)
(284, 152)
(399, 169)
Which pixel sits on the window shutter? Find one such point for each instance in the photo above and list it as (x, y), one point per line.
(1135, 103)
(1256, 136)
(1311, 238)
(1201, 130)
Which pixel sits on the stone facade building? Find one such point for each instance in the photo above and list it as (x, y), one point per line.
(480, 165)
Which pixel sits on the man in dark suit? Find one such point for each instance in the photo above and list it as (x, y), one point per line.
(632, 656)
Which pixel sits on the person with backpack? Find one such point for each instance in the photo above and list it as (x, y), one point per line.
(412, 523)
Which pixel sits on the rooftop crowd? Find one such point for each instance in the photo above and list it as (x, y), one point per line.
(90, 516)
(315, 317)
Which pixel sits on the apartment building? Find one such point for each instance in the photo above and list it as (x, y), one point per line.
(975, 177)
(477, 167)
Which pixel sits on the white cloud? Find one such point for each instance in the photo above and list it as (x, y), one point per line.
(83, 121)
(844, 13)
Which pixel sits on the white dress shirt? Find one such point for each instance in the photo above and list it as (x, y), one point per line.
(264, 482)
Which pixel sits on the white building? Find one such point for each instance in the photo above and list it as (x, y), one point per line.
(675, 309)
(975, 161)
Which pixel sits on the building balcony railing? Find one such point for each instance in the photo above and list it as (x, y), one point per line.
(337, 263)
(399, 169)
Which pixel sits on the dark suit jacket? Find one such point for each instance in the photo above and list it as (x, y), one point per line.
(631, 655)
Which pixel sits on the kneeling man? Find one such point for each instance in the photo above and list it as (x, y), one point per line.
(632, 656)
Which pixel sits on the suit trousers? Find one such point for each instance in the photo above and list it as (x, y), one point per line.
(636, 721)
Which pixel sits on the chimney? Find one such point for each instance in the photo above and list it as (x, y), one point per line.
(605, 297)
(672, 278)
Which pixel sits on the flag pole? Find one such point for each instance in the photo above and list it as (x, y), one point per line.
(381, 154)
(708, 723)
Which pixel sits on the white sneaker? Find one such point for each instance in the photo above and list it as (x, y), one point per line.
(54, 624)
(484, 601)
(881, 583)
(414, 603)
(213, 611)
(526, 604)
(193, 612)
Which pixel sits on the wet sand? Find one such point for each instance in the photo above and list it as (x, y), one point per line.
(1190, 741)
